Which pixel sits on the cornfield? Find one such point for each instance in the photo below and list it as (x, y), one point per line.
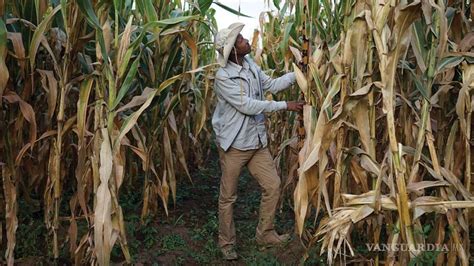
(384, 144)
(77, 77)
(101, 95)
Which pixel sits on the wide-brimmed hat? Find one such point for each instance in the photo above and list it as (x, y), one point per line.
(225, 40)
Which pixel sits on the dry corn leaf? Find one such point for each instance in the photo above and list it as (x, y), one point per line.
(27, 112)
(11, 209)
(50, 85)
(103, 208)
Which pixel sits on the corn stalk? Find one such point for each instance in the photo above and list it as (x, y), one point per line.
(382, 122)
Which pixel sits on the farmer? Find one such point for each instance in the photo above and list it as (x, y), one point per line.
(239, 124)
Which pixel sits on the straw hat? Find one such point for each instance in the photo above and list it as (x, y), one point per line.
(225, 40)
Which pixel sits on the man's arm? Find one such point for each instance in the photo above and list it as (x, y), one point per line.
(278, 84)
(232, 92)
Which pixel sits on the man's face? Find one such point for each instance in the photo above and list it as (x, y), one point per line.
(241, 46)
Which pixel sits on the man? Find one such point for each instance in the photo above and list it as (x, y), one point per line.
(239, 124)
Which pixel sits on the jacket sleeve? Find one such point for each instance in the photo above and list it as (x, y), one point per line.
(278, 84)
(230, 90)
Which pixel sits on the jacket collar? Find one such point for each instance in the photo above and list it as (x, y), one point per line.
(234, 69)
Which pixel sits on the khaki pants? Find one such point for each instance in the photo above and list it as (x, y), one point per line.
(262, 167)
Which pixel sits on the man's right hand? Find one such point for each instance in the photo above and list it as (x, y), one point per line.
(295, 106)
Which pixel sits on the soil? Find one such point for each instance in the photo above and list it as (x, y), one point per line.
(193, 221)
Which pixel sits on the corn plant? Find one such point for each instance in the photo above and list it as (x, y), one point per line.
(387, 123)
(92, 95)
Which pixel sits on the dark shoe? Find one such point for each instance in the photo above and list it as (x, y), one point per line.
(272, 239)
(229, 253)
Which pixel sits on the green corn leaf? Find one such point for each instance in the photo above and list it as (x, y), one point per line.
(39, 33)
(176, 20)
(276, 3)
(204, 5)
(82, 103)
(160, 24)
(131, 75)
(233, 11)
(146, 7)
(126, 58)
(418, 83)
(449, 62)
(286, 37)
(86, 8)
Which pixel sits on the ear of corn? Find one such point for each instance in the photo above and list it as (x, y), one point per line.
(301, 80)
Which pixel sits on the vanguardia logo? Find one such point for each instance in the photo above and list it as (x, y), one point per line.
(406, 247)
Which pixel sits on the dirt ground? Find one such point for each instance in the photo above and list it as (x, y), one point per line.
(188, 235)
